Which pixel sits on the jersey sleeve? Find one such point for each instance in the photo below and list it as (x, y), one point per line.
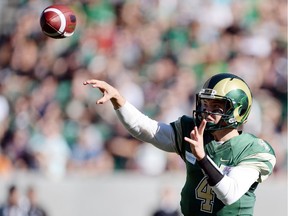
(182, 127)
(143, 128)
(261, 157)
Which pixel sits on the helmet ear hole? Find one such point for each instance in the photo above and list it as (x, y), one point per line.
(243, 106)
(242, 111)
(228, 106)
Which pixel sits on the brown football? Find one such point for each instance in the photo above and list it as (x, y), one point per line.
(58, 21)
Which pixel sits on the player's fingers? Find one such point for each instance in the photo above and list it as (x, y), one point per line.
(96, 83)
(192, 134)
(202, 126)
(189, 140)
(101, 85)
(92, 81)
(196, 132)
(104, 99)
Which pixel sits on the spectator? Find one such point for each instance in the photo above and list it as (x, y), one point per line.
(167, 205)
(87, 155)
(12, 206)
(6, 166)
(33, 206)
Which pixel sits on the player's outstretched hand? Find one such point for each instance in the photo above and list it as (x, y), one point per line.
(109, 93)
(196, 140)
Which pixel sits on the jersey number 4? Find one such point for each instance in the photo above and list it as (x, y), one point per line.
(205, 193)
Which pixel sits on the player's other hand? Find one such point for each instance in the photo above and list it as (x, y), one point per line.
(196, 140)
(109, 93)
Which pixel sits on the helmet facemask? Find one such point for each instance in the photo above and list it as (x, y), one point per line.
(227, 119)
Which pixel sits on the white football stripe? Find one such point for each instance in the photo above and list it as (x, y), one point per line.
(62, 18)
(66, 34)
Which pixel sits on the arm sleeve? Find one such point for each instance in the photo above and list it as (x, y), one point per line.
(211, 170)
(142, 127)
(235, 184)
(231, 186)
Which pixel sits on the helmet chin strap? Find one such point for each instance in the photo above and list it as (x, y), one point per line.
(210, 126)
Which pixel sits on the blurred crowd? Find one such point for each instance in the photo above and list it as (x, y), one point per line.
(158, 53)
(18, 204)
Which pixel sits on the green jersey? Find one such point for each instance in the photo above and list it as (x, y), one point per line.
(197, 197)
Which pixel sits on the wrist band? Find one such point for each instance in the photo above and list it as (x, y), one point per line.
(211, 170)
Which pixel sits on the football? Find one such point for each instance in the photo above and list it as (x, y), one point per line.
(58, 21)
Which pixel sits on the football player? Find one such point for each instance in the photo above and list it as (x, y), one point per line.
(223, 165)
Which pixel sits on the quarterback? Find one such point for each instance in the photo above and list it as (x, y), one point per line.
(223, 165)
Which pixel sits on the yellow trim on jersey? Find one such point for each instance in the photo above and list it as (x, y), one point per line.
(258, 163)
